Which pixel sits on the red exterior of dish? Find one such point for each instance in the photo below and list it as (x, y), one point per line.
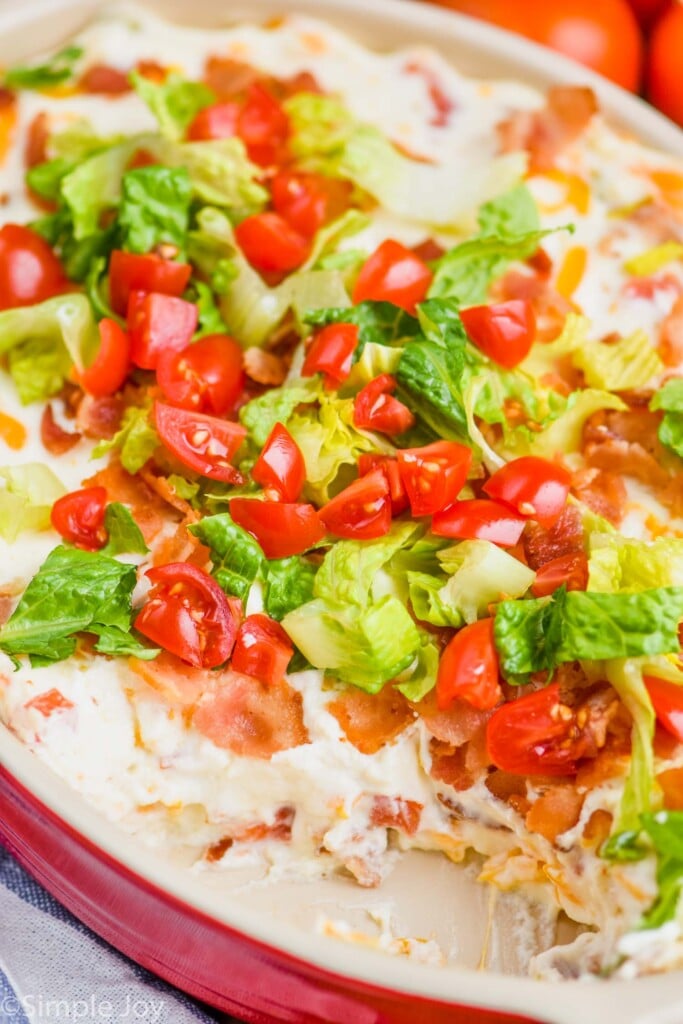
(201, 956)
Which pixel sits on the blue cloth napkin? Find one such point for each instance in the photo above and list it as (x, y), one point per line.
(52, 968)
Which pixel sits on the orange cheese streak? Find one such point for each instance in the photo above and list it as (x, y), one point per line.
(572, 270)
(12, 432)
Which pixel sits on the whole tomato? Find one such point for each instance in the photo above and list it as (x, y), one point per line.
(602, 34)
(664, 79)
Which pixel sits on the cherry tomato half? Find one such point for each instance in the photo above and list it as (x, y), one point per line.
(604, 35)
(433, 476)
(281, 528)
(504, 332)
(79, 517)
(270, 244)
(536, 735)
(280, 466)
(206, 376)
(189, 615)
(468, 669)
(375, 407)
(667, 700)
(362, 510)
(393, 274)
(479, 519)
(397, 492)
(29, 270)
(534, 487)
(308, 201)
(110, 368)
(664, 83)
(262, 649)
(647, 11)
(263, 126)
(205, 444)
(158, 323)
(131, 272)
(570, 571)
(331, 353)
(218, 121)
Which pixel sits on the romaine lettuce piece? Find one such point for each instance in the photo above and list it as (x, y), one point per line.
(618, 564)
(27, 495)
(565, 432)
(237, 558)
(627, 679)
(175, 102)
(136, 441)
(481, 574)
(623, 365)
(670, 399)
(155, 208)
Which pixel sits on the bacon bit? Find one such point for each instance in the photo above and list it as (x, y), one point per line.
(36, 140)
(671, 782)
(6, 606)
(303, 81)
(12, 432)
(8, 120)
(670, 345)
(545, 133)
(370, 721)
(149, 511)
(56, 440)
(264, 367)
(597, 829)
(100, 418)
(564, 537)
(428, 250)
(105, 81)
(505, 786)
(649, 287)
(280, 829)
(228, 78)
(394, 812)
(442, 103)
(218, 850)
(571, 271)
(603, 491)
(251, 719)
(455, 726)
(655, 221)
(555, 811)
(161, 486)
(452, 765)
(49, 702)
(540, 262)
(141, 158)
(152, 70)
(172, 679)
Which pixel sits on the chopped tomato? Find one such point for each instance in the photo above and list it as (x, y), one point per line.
(218, 121)
(281, 528)
(29, 270)
(468, 669)
(189, 615)
(205, 444)
(79, 518)
(280, 466)
(270, 243)
(131, 272)
(479, 519)
(110, 368)
(534, 487)
(331, 353)
(308, 201)
(262, 649)
(667, 700)
(394, 812)
(397, 492)
(570, 571)
(433, 476)
(536, 735)
(157, 324)
(263, 126)
(393, 274)
(375, 407)
(504, 332)
(362, 510)
(206, 376)
(49, 702)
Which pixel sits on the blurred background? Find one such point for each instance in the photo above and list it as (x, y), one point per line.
(636, 43)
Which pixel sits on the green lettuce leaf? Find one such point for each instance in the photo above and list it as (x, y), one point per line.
(74, 591)
(565, 433)
(210, 318)
(421, 678)
(237, 558)
(125, 537)
(175, 102)
(623, 365)
(288, 584)
(627, 679)
(481, 574)
(27, 495)
(220, 172)
(665, 831)
(57, 70)
(155, 208)
(379, 323)
(38, 368)
(136, 441)
(261, 414)
(670, 399)
(619, 564)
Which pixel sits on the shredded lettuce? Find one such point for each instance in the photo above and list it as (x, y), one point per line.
(136, 441)
(276, 406)
(621, 565)
(481, 574)
(155, 208)
(124, 534)
(58, 70)
(639, 790)
(288, 584)
(669, 398)
(175, 102)
(237, 558)
(27, 495)
(623, 365)
(379, 323)
(564, 434)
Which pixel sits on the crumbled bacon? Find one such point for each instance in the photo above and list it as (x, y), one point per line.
(394, 812)
(105, 80)
(369, 721)
(455, 726)
(149, 511)
(545, 133)
(100, 418)
(442, 103)
(602, 491)
(264, 367)
(172, 679)
(550, 307)
(229, 78)
(459, 767)
(152, 70)
(670, 345)
(36, 140)
(55, 439)
(428, 250)
(564, 537)
(250, 718)
(671, 782)
(555, 811)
